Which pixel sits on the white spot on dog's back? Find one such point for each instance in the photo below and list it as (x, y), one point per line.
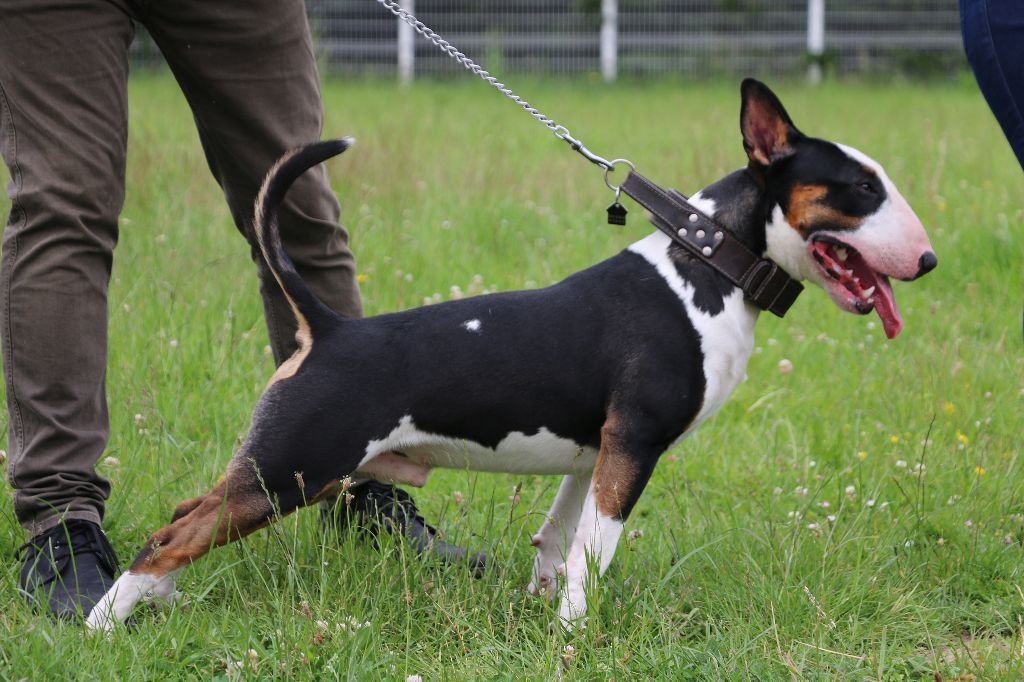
(472, 325)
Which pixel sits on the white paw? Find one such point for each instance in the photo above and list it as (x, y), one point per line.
(573, 606)
(100, 619)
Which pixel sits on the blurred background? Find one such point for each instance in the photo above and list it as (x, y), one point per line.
(630, 39)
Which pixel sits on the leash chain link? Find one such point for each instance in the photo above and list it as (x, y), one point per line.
(560, 131)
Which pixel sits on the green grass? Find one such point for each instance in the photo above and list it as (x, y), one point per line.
(449, 181)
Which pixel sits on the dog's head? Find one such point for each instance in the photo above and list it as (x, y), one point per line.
(836, 219)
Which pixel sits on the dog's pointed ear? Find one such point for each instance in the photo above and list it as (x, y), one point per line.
(768, 132)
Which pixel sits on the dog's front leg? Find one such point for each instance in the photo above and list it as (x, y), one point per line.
(557, 532)
(624, 466)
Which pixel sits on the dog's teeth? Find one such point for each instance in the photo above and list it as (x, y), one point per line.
(841, 253)
(866, 294)
(849, 273)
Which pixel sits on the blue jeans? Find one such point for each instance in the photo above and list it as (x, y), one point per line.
(993, 32)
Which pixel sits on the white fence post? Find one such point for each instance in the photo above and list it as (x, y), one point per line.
(406, 46)
(609, 39)
(815, 38)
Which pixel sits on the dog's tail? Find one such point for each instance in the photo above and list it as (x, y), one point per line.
(308, 309)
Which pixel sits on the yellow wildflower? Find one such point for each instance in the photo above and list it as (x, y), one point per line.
(862, 455)
(894, 439)
(979, 471)
(964, 440)
(948, 407)
(362, 278)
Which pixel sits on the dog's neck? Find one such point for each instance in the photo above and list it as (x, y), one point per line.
(742, 207)
(739, 204)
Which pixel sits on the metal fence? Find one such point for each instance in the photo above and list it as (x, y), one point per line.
(639, 38)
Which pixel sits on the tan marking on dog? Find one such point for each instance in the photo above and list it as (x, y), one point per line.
(303, 335)
(185, 508)
(615, 472)
(304, 338)
(805, 211)
(220, 517)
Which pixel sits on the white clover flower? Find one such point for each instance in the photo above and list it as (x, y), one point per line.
(785, 366)
(112, 462)
(870, 503)
(901, 464)
(851, 490)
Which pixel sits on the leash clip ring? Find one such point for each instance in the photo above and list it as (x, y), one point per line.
(611, 167)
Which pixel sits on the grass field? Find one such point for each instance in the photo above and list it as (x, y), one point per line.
(809, 531)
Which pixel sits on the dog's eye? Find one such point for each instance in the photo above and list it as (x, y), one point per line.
(867, 187)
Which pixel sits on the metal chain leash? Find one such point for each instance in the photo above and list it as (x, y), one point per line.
(560, 131)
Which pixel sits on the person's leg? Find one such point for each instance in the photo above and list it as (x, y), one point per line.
(249, 74)
(63, 133)
(993, 33)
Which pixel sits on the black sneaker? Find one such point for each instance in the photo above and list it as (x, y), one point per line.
(67, 569)
(376, 506)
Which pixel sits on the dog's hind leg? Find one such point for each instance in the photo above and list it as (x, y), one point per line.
(624, 465)
(236, 507)
(556, 534)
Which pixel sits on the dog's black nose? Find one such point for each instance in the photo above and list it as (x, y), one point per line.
(926, 264)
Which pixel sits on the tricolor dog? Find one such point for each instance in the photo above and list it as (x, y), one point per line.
(592, 378)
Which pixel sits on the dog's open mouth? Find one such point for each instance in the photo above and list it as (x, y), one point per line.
(855, 285)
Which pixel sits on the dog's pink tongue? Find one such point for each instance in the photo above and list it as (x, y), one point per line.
(885, 306)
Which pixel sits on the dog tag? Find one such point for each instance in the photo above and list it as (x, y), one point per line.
(617, 214)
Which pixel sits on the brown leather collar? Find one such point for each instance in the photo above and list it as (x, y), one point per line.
(763, 282)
